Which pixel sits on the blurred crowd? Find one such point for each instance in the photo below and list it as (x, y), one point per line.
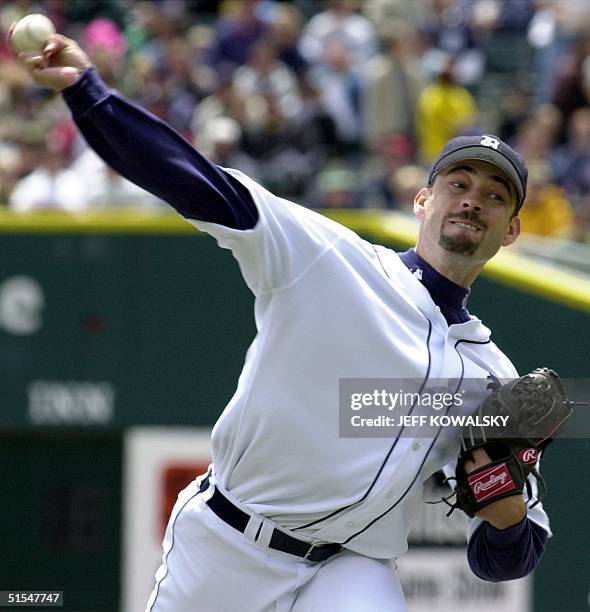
(331, 103)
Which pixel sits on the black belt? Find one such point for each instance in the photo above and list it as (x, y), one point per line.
(238, 519)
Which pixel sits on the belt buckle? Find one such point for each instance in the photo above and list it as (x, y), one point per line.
(310, 550)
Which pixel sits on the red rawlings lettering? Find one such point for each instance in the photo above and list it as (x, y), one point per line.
(491, 482)
(480, 486)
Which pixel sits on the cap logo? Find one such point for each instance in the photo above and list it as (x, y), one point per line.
(489, 141)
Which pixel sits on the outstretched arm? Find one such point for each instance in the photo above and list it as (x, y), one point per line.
(137, 144)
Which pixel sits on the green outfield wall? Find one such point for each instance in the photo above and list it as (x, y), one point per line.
(114, 320)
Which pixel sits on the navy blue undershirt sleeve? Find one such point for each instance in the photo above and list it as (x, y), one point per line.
(148, 152)
(506, 554)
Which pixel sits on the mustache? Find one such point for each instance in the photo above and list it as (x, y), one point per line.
(470, 216)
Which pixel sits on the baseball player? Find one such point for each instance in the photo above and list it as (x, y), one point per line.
(290, 516)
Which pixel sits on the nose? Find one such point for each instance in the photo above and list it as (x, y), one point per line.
(471, 204)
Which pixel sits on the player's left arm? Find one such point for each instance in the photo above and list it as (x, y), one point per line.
(496, 553)
(498, 483)
(506, 542)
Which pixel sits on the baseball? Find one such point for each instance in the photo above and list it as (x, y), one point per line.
(32, 32)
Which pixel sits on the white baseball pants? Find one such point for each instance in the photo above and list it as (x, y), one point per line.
(208, 566)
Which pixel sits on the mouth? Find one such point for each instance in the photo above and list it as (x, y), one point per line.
(466, 225)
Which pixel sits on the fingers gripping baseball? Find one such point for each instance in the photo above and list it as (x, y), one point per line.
(59, 64)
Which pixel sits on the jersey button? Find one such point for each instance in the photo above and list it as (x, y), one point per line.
(437, 308)
(415, 446)
(349, 525)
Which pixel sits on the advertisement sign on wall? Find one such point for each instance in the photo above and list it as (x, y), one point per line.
(158, 463)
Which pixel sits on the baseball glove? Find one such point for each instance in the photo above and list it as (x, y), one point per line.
(537, 408)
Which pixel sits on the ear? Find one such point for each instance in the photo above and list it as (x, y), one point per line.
(513, 232)
(420, 203)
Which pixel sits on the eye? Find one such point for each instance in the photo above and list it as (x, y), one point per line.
(457, 184)
(498, 197)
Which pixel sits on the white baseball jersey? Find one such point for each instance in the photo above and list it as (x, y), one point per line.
(330, 305)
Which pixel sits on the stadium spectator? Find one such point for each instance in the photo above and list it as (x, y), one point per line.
(315, 131)
(498, 15)
(383, 13)
(106, 46)
(273, 141)
(516, 109)
(552, 34)
(52, 185)
(570, 91)
(235, 34)
(104, 188)
(536, 137)
(340, 91)
(264, 74)
(393, 83)
(393, 153)
(285, 30)
(339, 26)
(547, 211)
(447, 28)
(444, 109)
(220, 142)
(335, 186)
(225, 101)
(405, 183)
(571, 161)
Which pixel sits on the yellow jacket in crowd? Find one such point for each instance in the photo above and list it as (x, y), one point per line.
(444, 108)
(547, 212)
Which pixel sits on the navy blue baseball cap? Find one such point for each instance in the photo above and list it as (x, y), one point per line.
(489, 148)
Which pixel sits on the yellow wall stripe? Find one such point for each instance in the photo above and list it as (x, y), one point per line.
(508, 267)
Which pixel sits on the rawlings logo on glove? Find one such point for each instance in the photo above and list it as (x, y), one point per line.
(491, 481)
(528, 455)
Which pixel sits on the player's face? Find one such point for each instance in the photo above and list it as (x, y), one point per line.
(468, 211)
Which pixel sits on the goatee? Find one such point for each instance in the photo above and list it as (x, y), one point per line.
(459, 245)
(462, 245)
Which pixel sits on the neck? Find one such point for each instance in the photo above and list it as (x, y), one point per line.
(459, 269)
